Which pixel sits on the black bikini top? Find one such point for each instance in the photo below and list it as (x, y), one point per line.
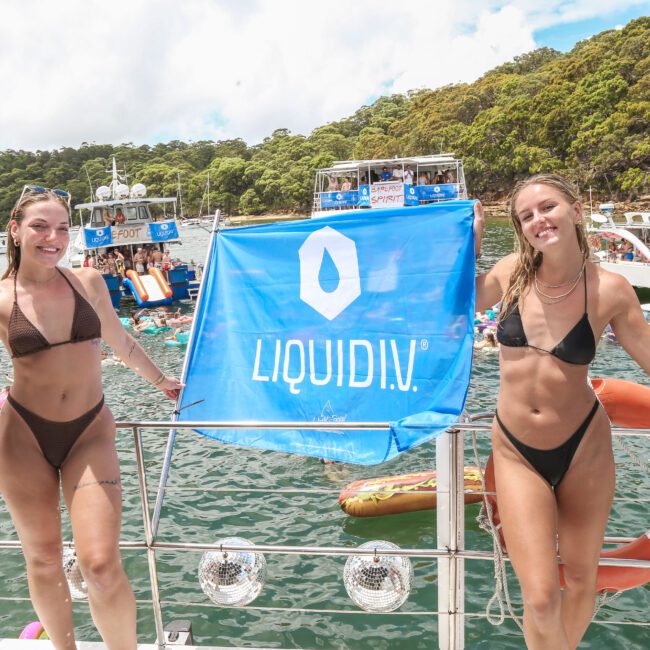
(577, 347)
(25, 338)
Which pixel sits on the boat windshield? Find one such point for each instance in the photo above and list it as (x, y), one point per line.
(116, 215)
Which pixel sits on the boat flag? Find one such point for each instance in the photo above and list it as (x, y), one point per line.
(98, 237)
(163, 231)
(363, 317)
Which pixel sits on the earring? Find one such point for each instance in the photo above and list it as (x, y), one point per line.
(16, 243)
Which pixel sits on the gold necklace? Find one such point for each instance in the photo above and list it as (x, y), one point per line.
(550, 300)
(564, 284)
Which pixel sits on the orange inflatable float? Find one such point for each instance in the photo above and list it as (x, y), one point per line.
(610, 578)
(390, 495)
(138, 284)
(627, 404)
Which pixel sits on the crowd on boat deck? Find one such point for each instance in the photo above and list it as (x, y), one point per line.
(624, 251)
(119, 260)
(407, 176)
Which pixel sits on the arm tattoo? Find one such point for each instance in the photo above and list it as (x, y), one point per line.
(115, 481)
(131, 348)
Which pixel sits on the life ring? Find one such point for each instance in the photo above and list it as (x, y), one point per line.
(627, 404)
(389, 495)
(34, 630)
(610, 578)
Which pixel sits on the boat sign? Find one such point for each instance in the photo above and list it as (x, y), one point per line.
(130, 234)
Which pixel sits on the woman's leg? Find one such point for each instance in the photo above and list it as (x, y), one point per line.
(90, 477)
(528, 512)
(30, 488)
(584, 500)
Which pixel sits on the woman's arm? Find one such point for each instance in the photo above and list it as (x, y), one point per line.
(122, 343)
(490, 285)
(630, 328)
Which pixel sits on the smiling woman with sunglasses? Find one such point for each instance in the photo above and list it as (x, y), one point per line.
(56, 433)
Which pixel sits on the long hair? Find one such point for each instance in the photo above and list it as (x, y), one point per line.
(17, 215)
(529, 259)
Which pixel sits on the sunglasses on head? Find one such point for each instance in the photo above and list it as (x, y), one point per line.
(39, 189)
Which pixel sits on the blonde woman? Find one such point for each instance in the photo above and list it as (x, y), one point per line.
(551, 439)
(56, 433)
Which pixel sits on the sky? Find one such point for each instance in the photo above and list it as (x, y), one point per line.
(149, 71)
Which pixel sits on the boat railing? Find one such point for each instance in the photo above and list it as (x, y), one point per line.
(450, 551)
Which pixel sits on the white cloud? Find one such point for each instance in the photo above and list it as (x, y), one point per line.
(147, 70)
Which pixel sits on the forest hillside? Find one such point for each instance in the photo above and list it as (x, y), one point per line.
(585, 113)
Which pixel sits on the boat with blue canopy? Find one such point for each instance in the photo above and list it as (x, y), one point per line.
(120, 224)
(388, 183)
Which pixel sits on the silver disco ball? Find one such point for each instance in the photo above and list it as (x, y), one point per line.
(232, 578)
(76, 583)
(379, 583)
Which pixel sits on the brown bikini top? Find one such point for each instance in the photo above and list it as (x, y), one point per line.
(25, 338)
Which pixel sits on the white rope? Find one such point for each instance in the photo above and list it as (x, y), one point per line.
(602, 599)
(622, 444)
(485, 521)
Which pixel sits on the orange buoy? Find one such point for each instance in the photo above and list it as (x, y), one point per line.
(627, 404)
(610, 578)
(389, 495)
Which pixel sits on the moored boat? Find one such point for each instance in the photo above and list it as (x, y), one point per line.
(119, 225)
(350, 185)
(622, 247)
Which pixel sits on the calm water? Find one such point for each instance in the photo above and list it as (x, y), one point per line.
(208, 499)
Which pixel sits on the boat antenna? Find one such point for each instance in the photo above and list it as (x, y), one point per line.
(115, 181)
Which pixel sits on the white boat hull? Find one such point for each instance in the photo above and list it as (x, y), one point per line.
(636, 273)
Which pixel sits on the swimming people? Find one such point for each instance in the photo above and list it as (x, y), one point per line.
(55, 430)
(551, 438)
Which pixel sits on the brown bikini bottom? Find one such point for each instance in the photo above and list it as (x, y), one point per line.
(55, 438)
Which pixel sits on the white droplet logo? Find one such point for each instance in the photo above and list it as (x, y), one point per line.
(343, 252)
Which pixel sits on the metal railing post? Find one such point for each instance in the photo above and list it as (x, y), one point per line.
(450, 535)
(149, 538)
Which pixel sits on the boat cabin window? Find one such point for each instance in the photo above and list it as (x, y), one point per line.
(101, 217)
(144, 213)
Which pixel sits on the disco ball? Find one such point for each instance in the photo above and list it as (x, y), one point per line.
(232, 578)
(379, 583)
(72, 571)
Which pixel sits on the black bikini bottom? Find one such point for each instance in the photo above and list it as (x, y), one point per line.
(552, 464)
(56, 438)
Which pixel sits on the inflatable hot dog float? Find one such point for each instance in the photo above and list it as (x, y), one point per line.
(389, 495)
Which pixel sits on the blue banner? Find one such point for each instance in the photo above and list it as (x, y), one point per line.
(357, 317)
(163, 231)
(364, 196)
(411, 196)
(437, 192)
(339, 199)
(98, 237)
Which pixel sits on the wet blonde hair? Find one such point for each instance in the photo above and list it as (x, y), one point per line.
(529, 259)
(17, 215)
